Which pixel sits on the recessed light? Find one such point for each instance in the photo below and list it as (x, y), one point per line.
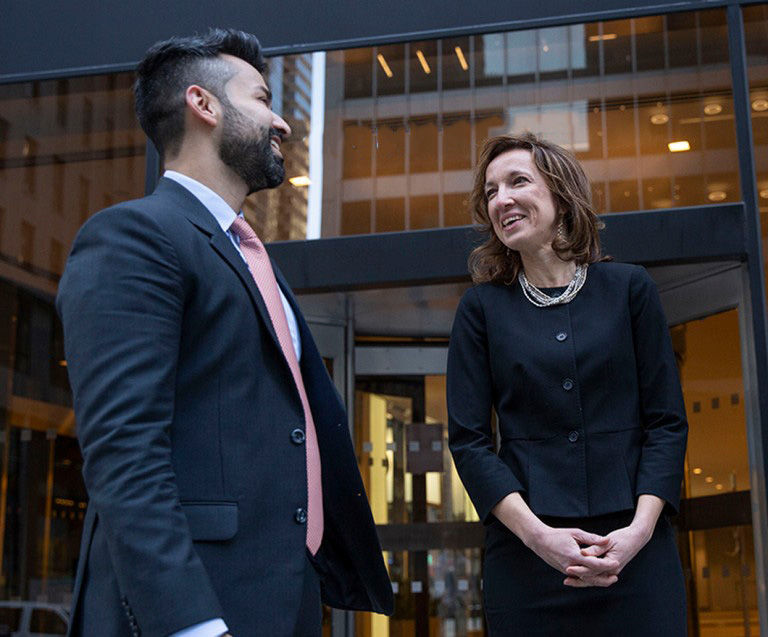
(719, 486)
(659, 119)
(717, 195)
(697, 471)
(713, 109)
(760, 104)
(709, 479)
(679, 146)
(300, 181)
(764, 193)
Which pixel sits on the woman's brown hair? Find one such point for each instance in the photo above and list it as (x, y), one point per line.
(566, 180)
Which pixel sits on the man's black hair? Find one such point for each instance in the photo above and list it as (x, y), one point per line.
(172, 65)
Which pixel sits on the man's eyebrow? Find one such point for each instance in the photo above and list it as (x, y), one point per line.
(266, 91)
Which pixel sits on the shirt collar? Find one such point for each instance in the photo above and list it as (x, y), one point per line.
(213, 202)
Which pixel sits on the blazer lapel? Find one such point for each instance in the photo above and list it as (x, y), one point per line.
(204, 221)
(222, 244)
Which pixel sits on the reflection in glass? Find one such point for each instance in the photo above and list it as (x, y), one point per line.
(67, 148)
(617, 93)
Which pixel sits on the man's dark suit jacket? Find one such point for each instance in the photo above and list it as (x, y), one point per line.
(590, 412)
(187, 416)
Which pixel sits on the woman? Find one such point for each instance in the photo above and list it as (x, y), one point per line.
(573, 354)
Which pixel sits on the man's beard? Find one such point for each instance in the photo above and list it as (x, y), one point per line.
(249, 152)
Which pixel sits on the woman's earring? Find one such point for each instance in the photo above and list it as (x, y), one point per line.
(560, 229)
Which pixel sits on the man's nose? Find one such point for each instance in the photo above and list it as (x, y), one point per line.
(280, 124)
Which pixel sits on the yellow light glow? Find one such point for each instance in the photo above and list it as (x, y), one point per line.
(679, 147)
(709, 479)
(697, 471)
(713, 109)
(462, 59)
(606, 36)
(760, 104)
(62, 363)
(764, 193)
(717, 195)
(301, 180)
(719, 486)
(384, 65)
(659, 118)
(423, 62)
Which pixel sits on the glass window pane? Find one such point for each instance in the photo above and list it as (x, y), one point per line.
(389, 145)
(457, 142)
(357, 150)
(422, 65)
(423, 149)
(455, 60)
(356, 217)
(425, 212)
(390, 215)
(390, 69)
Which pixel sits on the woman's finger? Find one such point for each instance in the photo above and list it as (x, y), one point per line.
(582, 537)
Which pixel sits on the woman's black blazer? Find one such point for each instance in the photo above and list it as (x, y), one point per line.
(590, 411)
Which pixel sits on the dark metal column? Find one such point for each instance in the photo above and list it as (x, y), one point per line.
(753, 309)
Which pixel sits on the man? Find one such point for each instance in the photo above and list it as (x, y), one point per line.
(224, 491)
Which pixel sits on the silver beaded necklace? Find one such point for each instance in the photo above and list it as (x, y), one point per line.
(540, 299)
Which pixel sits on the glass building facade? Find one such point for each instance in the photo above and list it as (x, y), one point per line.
(385, 138)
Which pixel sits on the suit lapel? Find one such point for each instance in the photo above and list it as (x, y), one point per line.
(222, 244)
(205, 222)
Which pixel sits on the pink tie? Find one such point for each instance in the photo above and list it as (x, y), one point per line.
(261, 270)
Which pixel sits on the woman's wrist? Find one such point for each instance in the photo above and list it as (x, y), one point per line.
(513, 512)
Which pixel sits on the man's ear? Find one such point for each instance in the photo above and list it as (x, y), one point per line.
(203, 105)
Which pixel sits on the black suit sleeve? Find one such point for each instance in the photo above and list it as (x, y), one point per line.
(662, 408)
(121, 301)
(470, 400)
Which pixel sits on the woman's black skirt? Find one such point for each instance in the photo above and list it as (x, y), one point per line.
(526, 597)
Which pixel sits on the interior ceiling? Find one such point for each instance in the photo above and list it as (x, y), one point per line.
(427, 310)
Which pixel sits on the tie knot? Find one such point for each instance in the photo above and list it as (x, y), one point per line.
(244, 231)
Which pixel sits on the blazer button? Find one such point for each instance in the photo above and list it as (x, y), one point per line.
(301, 515)
(573, 436)
(561, 336)
(298, 437)
(567, 384)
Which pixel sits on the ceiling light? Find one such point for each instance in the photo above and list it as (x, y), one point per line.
(384, 65)
(713, 108)
(719, 486)
(679, 147)
(717, 195)
(764, 193)
(423, 61)
(462, 59)
(62, 363)
(709, 479)
(607, 36)
(697, 471)
(659, 118)
(760, 104)
(301, 180)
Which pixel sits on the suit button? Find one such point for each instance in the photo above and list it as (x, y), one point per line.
(573, 436)
(301, 515)
(567, 384)
(298, 437)
(561, 336)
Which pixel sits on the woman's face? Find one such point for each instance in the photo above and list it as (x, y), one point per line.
(521, 206)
